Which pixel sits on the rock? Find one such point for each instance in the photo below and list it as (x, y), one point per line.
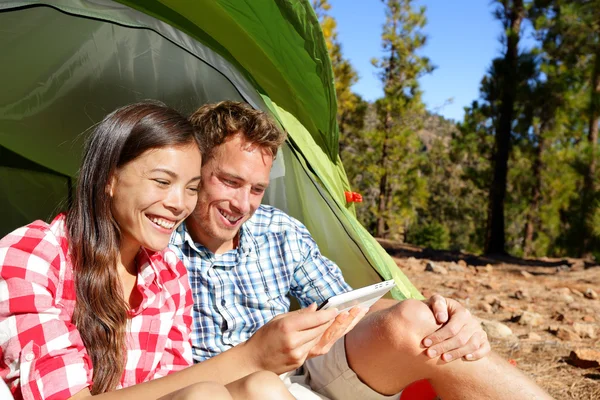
(585, 331)
(491, 299)
(435, 268)
(558, 316)
(487, 269)
(567, 335)
(588, 318)
(496, 330)
(519, 295)
(577, 292)
(576, 306)
(463, 263)
(454, 267)
(427, 293)
(484, 306)
(491, 285)
(451, 284)
(526, 274)
(585, 358)
(590, 294)
(566, 298)
(528, 318)
(578, 265)
(531, 336)
(461, 294)
(562, 268)
(562, 290)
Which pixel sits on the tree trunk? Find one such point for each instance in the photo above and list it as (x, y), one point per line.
(589, 184)
(495, 239)
(536, 193)
(382, 204)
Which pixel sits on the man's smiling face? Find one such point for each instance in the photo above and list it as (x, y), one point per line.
(233, 183)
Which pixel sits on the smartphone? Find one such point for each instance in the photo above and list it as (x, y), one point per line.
(365, 297)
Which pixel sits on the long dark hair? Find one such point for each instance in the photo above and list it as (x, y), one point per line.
(94, 236)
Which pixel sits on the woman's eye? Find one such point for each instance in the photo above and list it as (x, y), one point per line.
(194, 189)
(161, 182)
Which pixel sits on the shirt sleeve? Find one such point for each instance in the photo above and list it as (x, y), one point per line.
(316, 278)
(42, 353)
(177, 354)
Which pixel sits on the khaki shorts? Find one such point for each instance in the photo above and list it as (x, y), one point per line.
(328, 377)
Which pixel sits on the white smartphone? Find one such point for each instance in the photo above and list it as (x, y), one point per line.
(365, 297)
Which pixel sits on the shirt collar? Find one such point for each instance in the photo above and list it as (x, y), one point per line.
(182, 236)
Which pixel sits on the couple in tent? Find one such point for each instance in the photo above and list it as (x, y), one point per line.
(168, 279)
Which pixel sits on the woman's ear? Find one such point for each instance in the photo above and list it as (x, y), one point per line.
(110, 187)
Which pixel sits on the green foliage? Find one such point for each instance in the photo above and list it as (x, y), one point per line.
(427, 180)
(434, 236)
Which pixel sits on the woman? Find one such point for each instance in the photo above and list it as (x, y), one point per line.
(94, 301)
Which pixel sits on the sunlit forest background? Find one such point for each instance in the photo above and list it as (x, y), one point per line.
(518, 175)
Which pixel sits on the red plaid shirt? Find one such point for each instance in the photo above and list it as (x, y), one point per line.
(42, 355)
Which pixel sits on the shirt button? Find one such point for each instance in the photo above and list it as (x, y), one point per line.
(266, 289)
(29, 357)
(223, 302)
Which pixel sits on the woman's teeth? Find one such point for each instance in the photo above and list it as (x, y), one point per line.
(163, 223)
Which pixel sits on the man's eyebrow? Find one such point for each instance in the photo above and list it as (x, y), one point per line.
(173, 174)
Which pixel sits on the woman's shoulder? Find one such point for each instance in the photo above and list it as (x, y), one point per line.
(36, 254)
(38, 238)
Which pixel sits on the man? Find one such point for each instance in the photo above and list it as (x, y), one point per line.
(244, 259)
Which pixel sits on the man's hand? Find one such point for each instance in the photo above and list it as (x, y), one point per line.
(285, 342)
(461, 334)
(343, 324)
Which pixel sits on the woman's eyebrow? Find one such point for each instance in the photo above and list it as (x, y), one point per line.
(173, 174)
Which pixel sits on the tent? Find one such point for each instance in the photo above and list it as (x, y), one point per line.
(66, 63)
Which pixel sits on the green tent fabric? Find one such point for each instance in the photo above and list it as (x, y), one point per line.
(66, 63)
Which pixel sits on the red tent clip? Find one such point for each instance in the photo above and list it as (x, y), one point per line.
(353, 197)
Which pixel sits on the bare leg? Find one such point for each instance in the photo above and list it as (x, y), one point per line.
(261, 385)
(385, 351)
(203, 390)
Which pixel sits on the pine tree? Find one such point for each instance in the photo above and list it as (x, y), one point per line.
(511, 13)
(400, 110)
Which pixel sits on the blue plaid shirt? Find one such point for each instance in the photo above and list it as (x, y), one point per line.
(237, 292)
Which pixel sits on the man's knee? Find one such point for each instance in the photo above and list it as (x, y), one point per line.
(407, 323)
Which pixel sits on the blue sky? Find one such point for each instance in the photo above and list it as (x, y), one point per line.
(463, 38)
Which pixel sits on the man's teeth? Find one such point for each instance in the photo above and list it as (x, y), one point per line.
(163, 223)
(229, 217)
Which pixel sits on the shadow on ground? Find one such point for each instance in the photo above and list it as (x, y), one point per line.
(400, 250)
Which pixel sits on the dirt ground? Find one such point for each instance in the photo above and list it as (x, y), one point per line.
(550, 305)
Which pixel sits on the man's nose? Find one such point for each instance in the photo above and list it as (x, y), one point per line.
(241, 201)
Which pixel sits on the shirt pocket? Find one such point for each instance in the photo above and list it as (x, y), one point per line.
(266, 295)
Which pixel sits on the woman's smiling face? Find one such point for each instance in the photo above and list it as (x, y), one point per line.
(154, 193)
